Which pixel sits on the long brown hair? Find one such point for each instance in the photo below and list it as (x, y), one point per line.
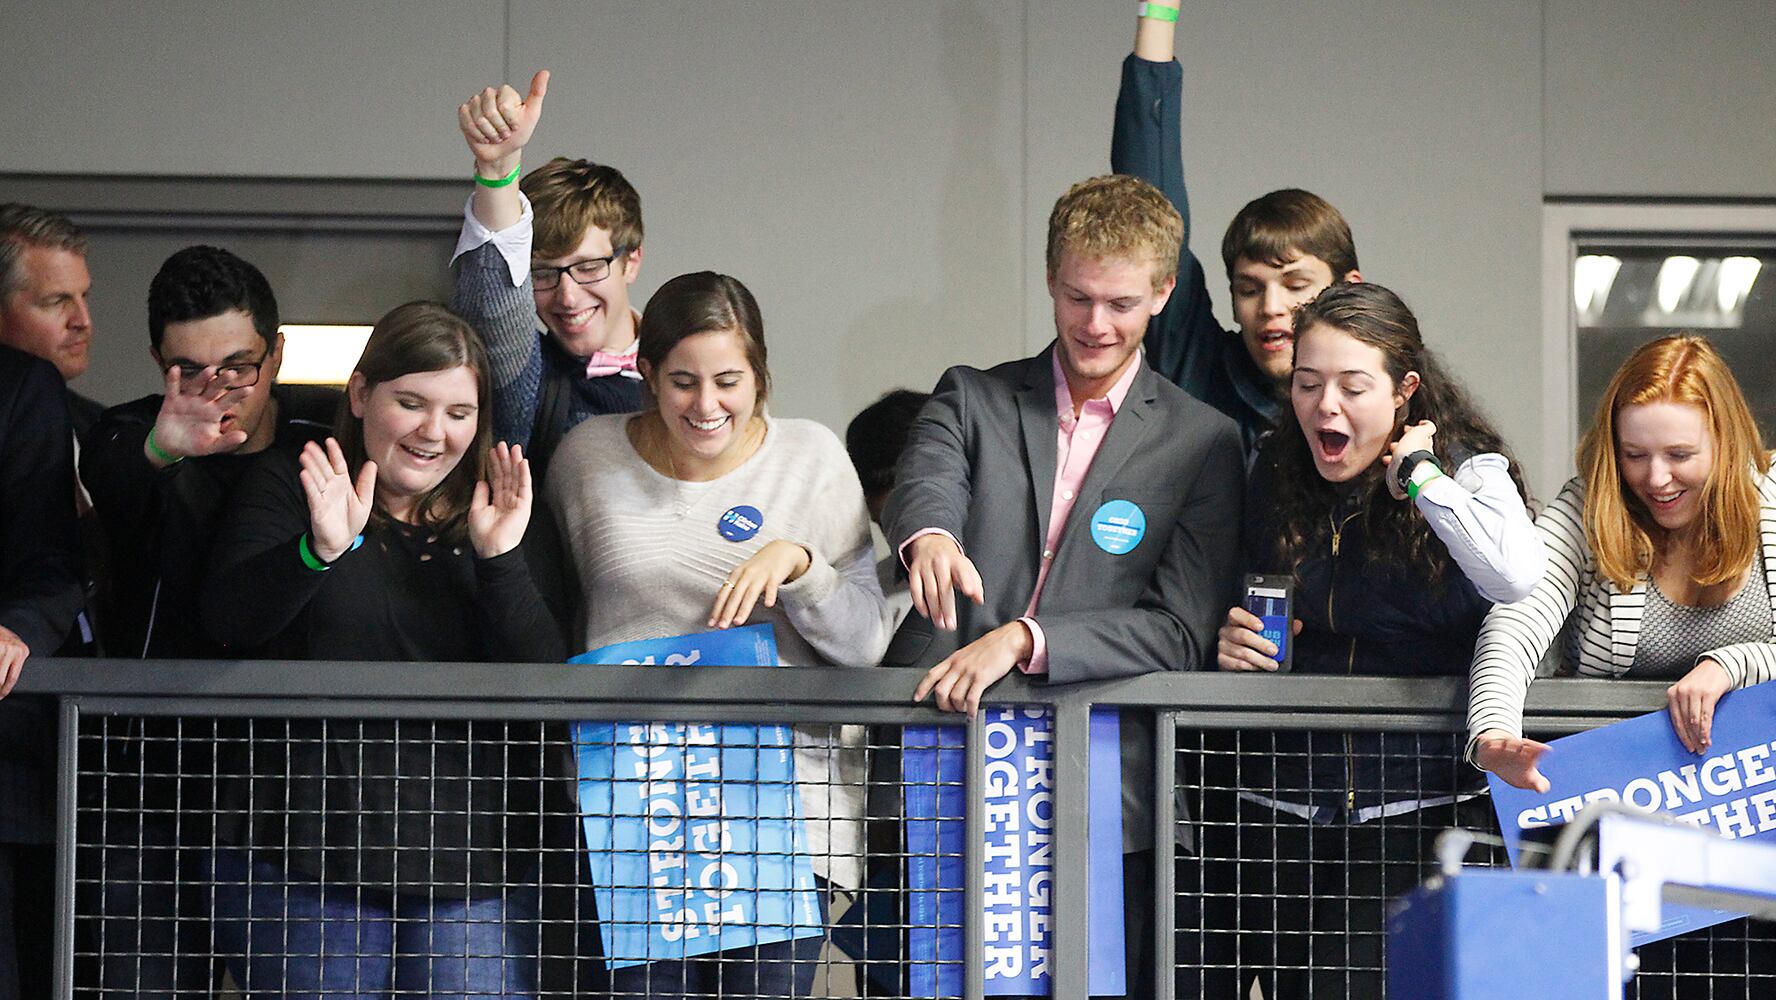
(1375, 316)
(425, 337)
(1623, 536)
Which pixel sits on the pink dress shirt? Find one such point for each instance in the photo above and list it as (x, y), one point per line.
(1077, 438)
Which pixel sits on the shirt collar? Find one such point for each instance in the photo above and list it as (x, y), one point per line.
(1114, 398)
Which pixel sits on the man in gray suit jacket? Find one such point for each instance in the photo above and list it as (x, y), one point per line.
(1088, 508)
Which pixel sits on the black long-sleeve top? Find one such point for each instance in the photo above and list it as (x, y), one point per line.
(440, 805)
(160, 523)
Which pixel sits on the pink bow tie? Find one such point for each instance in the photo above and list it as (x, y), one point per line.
(601, 364)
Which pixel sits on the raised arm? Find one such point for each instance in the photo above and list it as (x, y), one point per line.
(492, 262)
(1475, 510)
(1185, 343)
(286, 524)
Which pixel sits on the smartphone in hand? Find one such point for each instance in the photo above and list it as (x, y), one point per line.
(1268, 597)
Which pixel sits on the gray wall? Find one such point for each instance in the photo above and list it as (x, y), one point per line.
(880, 174)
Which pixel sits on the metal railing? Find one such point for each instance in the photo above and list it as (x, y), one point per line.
(1185, 706)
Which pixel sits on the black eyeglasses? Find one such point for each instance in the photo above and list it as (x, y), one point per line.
(195, 379)
(585, 272)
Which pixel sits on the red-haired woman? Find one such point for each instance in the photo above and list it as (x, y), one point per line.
(1662, 555)
(1663, 548)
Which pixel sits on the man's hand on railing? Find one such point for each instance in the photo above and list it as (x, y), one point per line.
(960, 679)
(13, 653)
(1512, 758)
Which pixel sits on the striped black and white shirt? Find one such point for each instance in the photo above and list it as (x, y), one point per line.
(1607, 622)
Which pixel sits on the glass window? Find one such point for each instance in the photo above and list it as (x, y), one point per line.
(1626, 292)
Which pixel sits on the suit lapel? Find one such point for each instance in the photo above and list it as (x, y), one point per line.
(1036, 414)
(1134, 419)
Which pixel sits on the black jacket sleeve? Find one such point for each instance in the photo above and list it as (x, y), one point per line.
(40, 576)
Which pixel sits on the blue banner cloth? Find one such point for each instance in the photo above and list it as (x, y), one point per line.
(1730, 788)
(693, 832)
(1019, 854)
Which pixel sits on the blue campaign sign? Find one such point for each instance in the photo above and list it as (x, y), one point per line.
(693, 832)
(1019, 854)
(1730, 788)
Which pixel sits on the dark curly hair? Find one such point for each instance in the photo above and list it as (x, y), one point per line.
(1375, 316)
(202, 281)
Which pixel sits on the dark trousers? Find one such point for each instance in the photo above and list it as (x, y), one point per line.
(27, 920)
(142, 917)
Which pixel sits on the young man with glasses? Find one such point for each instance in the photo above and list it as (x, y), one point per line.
(543, 270)
(161, 467)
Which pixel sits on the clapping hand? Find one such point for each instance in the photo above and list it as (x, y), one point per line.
(338, 509)
(500, 510)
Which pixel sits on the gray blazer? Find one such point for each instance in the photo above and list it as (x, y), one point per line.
(980, 464)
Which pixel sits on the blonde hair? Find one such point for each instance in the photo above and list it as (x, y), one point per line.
(1679, 369)
(1117, 216)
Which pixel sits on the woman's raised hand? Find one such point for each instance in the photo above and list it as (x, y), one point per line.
(776, 564)
(338, 509)
(500, 510)
(1421, 436)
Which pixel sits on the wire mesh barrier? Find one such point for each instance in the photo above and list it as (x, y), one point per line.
(1300, 832)
(526, 831)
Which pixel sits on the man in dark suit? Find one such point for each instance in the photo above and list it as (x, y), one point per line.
(1136, 579)
(40, 594)
(43, 311)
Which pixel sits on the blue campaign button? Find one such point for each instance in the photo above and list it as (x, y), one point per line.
(1118, 526)
(737, 524)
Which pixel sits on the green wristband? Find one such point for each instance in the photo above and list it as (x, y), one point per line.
(1413, 486)
(1159, 12)
(508, 179)
(309, 559)
(158, 452)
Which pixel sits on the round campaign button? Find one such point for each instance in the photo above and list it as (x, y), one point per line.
(737, 524)
(1118, 527)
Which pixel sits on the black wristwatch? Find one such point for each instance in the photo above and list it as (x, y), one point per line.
(1403, 472)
